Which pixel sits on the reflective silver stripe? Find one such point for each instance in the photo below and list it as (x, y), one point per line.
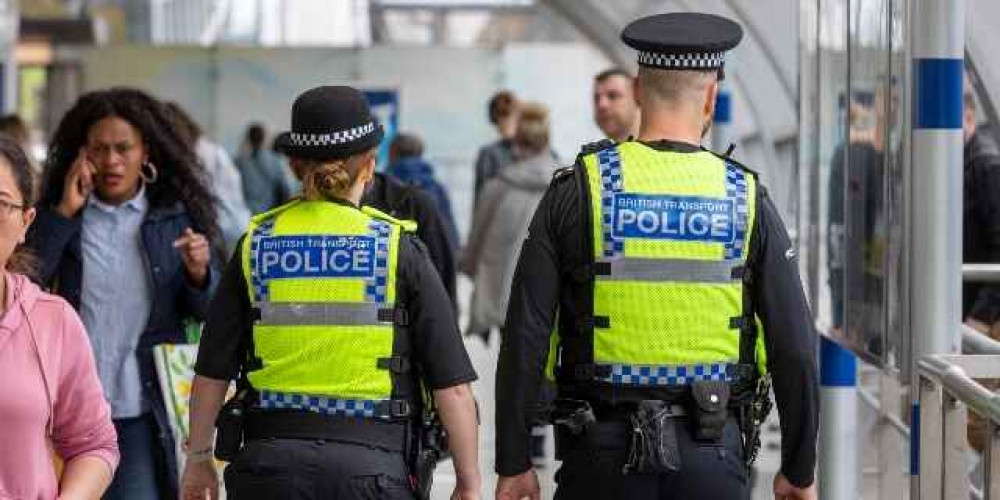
(319, 314)
(683, 270)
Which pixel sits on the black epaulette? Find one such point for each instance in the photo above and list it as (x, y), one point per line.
(731, 161)
(562, 173)
(593, 147)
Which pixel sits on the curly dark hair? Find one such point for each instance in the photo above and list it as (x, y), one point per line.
(181, 177)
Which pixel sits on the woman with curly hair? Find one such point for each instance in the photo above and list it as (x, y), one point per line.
(124, 233)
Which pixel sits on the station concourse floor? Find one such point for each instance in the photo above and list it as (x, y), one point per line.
(484, 359)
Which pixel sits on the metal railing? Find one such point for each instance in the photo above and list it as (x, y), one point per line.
(885, 400)
(947, 391)
(982, 273)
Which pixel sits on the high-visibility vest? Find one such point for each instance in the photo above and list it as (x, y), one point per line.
(322, 281)
(671, 233)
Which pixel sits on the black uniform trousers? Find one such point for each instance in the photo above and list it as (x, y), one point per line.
(301, 469)
(592, 467)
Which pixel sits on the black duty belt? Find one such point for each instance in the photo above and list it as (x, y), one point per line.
(294, 424)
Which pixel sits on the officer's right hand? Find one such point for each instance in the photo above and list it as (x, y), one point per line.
(784, 490)
(77, 186)
(519, 487)
(200, 481)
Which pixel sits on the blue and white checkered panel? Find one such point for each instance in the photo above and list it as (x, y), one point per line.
(375, 287)
(333, 138)
(708, 60)
(260, 233)
(736, 189)
(319, 404)
(676, 375)
(610, 164)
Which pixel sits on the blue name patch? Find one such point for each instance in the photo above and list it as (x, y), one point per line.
(320, 256)
(686, 218)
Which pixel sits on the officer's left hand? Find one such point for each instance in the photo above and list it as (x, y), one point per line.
(196, 254)
(200, 481)
(519, 487)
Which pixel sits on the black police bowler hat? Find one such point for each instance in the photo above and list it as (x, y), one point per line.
(328, 123)
(682, 40)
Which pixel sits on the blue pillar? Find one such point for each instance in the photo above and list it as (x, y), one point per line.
(838, 460)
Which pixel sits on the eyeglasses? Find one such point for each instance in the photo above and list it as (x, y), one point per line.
(7, 208)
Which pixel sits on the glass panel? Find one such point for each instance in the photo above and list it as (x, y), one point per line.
(831, 87)
(808, 154)
(863, 186)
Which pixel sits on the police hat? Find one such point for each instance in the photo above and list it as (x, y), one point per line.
(682, 40)
(330, 123)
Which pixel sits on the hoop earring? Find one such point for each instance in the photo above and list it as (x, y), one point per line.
(152, 176)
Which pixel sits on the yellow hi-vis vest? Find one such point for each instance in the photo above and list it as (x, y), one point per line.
(322, 282)
(671, 233)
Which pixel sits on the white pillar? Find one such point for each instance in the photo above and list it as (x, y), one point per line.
(938, 34)
(838, 429)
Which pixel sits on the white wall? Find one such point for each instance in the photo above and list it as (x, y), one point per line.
(443, 91)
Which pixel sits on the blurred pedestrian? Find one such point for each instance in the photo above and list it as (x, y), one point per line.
(267, 181)
(496, 155)
(406, 163)
(224, 179)
(124, 233)
(616, 111)
(500, 223)
(53, 400)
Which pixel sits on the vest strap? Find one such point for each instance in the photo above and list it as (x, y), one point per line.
(585, 324)
(678, 270)
(326, 314)
(395, 364)
(585, 371)
(387, 409)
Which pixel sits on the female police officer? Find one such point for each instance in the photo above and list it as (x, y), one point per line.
(337, 319)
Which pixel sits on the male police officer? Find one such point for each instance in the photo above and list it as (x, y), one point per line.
(654, 262)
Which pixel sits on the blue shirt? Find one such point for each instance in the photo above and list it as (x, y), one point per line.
(115, 297)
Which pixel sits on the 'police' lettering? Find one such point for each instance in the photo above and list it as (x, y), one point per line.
(320, 256)
(686, 218)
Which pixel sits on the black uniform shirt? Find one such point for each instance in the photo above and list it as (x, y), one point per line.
(437, 344)
(543, 284)
(401, 201)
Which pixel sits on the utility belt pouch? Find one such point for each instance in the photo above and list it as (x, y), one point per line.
(653, 445)
(574, 415)
(229, 427)
(711, 400)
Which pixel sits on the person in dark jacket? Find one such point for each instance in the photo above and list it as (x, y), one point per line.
(124, 233)
(392, 196)
(493, 157)
(980, 219)
(406, 163)
(267, 181)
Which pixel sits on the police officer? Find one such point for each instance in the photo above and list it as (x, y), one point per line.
(337, 322)
(653, 261)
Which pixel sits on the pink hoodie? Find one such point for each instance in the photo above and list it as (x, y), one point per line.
(81, 424)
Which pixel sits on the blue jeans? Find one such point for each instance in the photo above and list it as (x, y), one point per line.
(136, 477)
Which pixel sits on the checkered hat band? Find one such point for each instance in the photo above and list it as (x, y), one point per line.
(333, 138)
(705, 60)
